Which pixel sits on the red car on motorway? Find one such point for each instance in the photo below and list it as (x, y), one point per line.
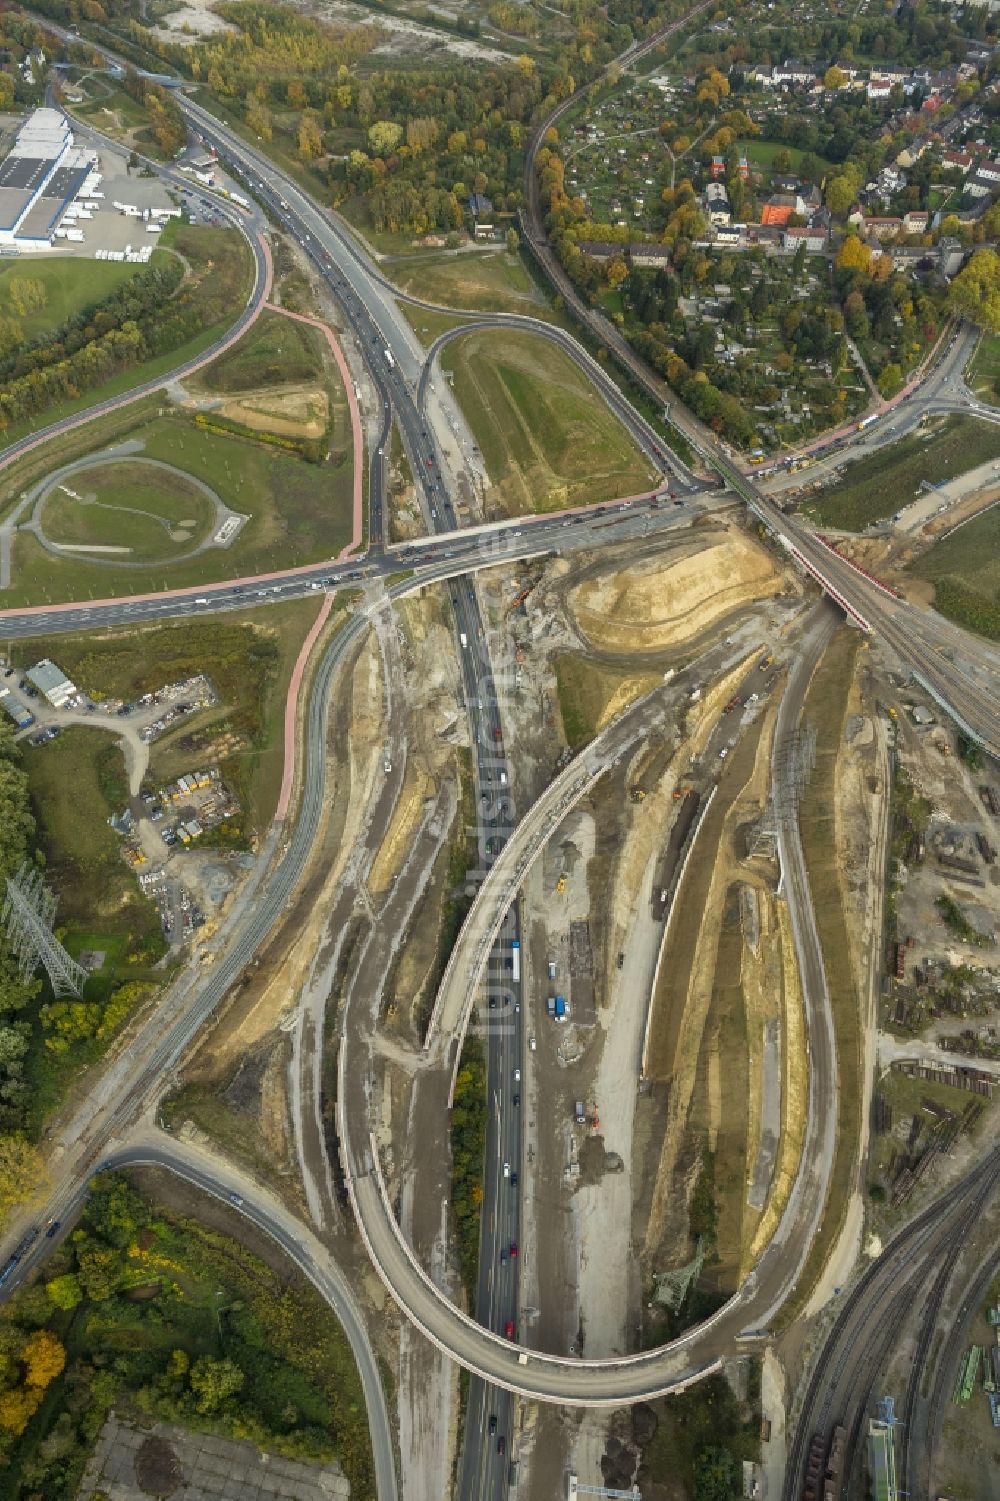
(508, 1329)
(513, 1248)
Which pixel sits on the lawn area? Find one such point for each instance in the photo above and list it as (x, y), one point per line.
(429, 326)
(222, 280)
(490, 280)
(906, 1098)
(700, 1428)
(876, 486)
(965, 571)
(151, 512)
(825, 710)
(585, 690)
(762, 154)
(75, 783)
(113, 112)
(983, 373)
(165, 1317)
(70, 283)
(299, 512)
(726, 1048)
(275, 351)
(547, 438)
(248, 655)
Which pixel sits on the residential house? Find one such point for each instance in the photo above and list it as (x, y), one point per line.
(785, 182)
(883, 226)
(778, 209)
(715, 204)
(731, 235)
(649, 255)
(915, 221)
(768, 235)
(812, 237)
(600, 250)
(983, 181)
(912, 257)
(794, 72)
(950, 255)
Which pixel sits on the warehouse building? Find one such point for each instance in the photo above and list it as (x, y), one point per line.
(39, 178)
(51, 681)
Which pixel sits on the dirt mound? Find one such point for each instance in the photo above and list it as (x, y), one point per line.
(663, 601)
(291, 412)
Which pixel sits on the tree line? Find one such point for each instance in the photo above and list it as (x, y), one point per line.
(167, 1320)
(152, 314)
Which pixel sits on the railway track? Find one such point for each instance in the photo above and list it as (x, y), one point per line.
(871, 1305)
(917, 1463)
(928, 1324)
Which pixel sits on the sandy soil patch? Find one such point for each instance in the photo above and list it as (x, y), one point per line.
(292, 412)
(794, 1086)
(400, 36)
(747, 777)
(192, 20)
(274, 994)
(651, 606)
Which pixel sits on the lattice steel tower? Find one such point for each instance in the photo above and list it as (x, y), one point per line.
(28, 915)
(672, 1287)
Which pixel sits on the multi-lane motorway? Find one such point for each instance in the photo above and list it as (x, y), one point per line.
(395, 363)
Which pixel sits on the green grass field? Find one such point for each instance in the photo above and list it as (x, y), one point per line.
(983, 373)
(299, 513)
(585, 688)
(762, 154)
(429, 326)
(223, 270)
(491, 280)
(154, 513)
(546, 437)
(248, 655)
(70, 283)
(75, 782)
(875, 487)
(275, 351)
(965, 571)
(825, 710)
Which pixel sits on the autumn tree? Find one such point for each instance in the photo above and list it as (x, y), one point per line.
(22, 1172)
(100, 1269)
(854, 255)
(384, 136)
(213, 1382)
(834, 77)
(44, 1358)
(259, 116)
(65, 1292)
(26, 295)
(975, 291)
(17, 1407)
(890, 379)
(310, 142)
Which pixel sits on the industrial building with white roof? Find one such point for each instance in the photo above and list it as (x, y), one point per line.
(39, 178)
